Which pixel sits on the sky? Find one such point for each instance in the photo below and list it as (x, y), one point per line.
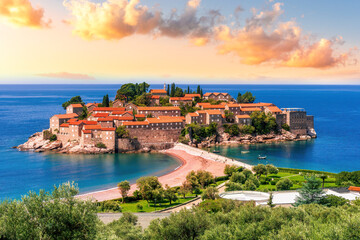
(184, 41)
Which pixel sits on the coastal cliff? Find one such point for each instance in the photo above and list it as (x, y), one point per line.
(223, 138)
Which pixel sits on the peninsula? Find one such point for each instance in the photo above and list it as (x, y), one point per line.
(139, 120)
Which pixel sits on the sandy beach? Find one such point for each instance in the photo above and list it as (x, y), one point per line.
(175, 178)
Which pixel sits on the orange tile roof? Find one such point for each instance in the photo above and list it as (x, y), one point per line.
(158, 91)
(158, 108)
(245, 105)
(250, 109)
(92, 127)
(124, 118)
(192, 95)
(107, 129)
(135, 123)
(89, 122)
(201, 111)
(105, 119)
(140, 115)
(213, 112)
(76, 105)
(90, 104)
(109, 109)
(73, 120)
(213, 106)
(76, 123)
(243, 116)
(65, 116)
(164, 119)
(215, 93)
(353, 188)
(64, 125)
(194, 114)
(86, 131)
(180, 99)
(274, 109)
(155, 97)
(101, 114)
(203, 103)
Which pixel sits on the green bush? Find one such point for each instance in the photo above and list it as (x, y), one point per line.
(333, 201)
(284, 184)
(113, 206)
(139, 207)
(285, 127)
(100, 145)
(53, 138)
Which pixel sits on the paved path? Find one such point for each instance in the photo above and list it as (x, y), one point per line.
(144, 219)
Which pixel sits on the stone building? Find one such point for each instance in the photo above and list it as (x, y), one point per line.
(90, 106)
(204, 117)
(57, 120)
(274, 110)
(107, 109)
(219, 107)
(176, 101)
(159, 111)
(118, 103)
(218, 96)
(249, 111)
(243, 119)
(298, 121)
(155, 100)
(74, 108)
(234, 108)
(130, 107)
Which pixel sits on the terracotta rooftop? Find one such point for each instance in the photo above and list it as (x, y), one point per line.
(352, 188)
(213, 106)
(243, 116)
(135, 123)
(76, 105)
(72, 120)
(64, 125)
(232, 105)
(90, 104)
(158, 91)
(109, 109)
(245, 105)
(75, 123)
(250, 109)
(107, 129)
(164, 119)
(215, 93)
(192, 95)
(89, 122)
(194, 114)
(86, 131)
(274, 109)
(203, 103)
(180, 99)
(158, 108)
(155, 97)
(65, 116)
(124, 118)
(92, 127)
(213, 112)
(101, 115)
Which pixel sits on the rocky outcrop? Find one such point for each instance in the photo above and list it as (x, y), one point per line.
(36, 143)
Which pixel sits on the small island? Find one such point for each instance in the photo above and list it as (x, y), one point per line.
(139, 120)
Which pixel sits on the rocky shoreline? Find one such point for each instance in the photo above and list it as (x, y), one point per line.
(36, 143)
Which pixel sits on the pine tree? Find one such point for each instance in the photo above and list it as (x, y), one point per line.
(310, 192)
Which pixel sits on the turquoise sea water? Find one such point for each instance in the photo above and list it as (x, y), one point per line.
(25, 109)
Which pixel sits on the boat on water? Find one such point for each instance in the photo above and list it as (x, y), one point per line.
(216, 151)
(244, 152)
(262, 157)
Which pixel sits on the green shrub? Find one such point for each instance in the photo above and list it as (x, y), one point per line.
(285, 127)
(139, 207)
(233, 186)
(53, 138)
(47, 135)
(333, 201)
(100, 145)
(113, 206)
(284, 184)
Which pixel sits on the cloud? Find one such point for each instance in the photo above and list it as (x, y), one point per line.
(116, 19)
(266, 40)
(66, 75)
(22, 13)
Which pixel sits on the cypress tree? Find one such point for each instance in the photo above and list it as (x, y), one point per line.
(198, 89)
(188, 90)
(107, 100)
(201, 92)
(168, 90)
(172, 93)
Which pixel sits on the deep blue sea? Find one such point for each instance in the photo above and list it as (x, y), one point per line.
(25, 109)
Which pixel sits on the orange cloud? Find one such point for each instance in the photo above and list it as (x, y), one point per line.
(116, 19)
(22, 13)
(65, 75)
(263, 40)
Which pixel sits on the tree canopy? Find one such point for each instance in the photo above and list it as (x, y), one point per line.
(73, 100)
(263, 123)
(247, 97)
(130, 91)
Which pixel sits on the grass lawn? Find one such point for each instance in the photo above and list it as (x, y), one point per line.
(132, 206)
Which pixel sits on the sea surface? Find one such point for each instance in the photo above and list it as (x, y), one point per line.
(26, 109)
